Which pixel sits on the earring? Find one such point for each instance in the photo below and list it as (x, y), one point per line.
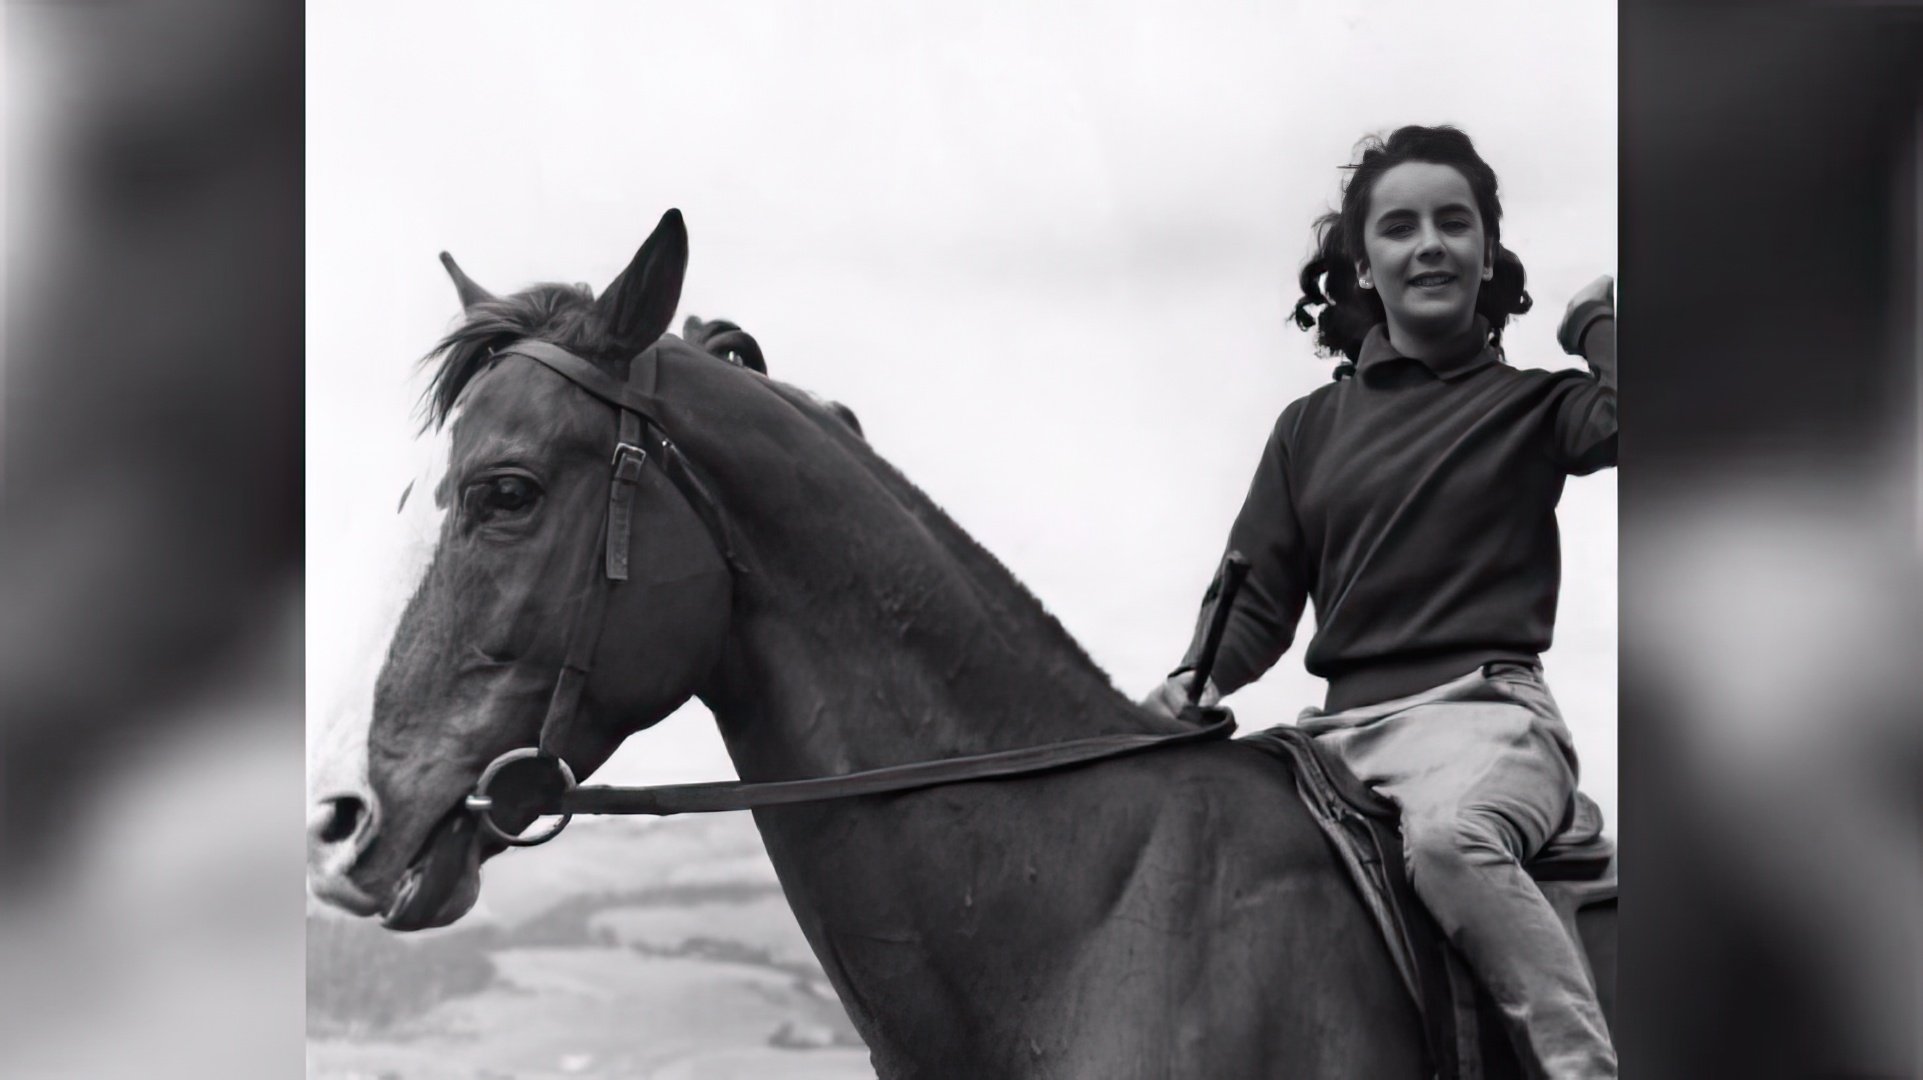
(1364, 282)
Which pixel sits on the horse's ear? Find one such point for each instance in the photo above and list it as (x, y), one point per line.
(471, 294)
(639, 303)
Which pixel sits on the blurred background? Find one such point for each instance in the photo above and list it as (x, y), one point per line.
(151, 912)
(1772, 714)
(150, 493)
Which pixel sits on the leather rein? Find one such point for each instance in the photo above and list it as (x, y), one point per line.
(639, 430)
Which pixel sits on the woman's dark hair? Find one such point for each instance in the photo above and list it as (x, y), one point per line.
(1328, 278)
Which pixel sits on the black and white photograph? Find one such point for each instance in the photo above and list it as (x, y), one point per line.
(1017, 540)
(742, 540)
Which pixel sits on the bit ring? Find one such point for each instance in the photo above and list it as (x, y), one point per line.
(482, 804)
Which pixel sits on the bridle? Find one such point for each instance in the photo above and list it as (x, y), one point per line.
(635, 407)
(637, 410)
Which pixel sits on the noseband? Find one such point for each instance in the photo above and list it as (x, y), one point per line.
(639, 429)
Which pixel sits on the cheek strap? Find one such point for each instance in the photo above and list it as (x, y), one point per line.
(635, 406)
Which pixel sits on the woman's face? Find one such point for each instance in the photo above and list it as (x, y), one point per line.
(1426, 253)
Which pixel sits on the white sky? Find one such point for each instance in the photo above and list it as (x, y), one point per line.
(1045, 251)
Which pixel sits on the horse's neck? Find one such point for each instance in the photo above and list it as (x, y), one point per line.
(869, 632)
(894, 661)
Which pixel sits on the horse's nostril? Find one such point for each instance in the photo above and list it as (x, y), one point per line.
(343, 819)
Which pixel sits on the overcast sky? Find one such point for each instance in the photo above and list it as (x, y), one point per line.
(1044, 250)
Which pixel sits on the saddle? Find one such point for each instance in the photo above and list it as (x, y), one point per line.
(1576, 871)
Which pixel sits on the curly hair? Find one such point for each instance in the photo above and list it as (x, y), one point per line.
(1328, 279)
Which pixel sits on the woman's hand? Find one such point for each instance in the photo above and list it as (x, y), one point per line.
(1172, 696)
(1591, 302)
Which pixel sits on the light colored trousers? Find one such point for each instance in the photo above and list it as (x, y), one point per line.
(1484, 771)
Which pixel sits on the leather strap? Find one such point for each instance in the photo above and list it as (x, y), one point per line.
(672, 799)
(584, 636)
(629, 458)
(675, 464)
(635, 395)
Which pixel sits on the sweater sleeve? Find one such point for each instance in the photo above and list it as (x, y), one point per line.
(1584, 437)
(1268, 533)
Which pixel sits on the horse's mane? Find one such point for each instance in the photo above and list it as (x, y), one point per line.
(565, 315)
(980, 563)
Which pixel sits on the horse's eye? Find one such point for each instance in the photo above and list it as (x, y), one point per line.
(498, 498)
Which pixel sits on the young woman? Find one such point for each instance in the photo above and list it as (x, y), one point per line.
(1413, 501)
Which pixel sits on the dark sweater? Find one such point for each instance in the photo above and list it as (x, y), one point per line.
(1415, 504)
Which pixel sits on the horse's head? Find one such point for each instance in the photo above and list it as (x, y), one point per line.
(473, 664)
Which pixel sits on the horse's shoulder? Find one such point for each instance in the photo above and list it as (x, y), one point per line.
(1228, 800)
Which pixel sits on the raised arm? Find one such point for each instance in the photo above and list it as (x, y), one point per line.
(1585, 419)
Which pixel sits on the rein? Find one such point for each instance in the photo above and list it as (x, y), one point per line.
(670, 799)
(636, 405)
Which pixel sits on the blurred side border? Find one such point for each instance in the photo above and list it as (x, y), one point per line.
(1771, 724)
(150, 453)
(150, 513)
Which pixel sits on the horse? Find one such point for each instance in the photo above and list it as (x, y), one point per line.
(1173, 913)
(737, 346)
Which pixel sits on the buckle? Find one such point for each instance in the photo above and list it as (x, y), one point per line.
(627, 461)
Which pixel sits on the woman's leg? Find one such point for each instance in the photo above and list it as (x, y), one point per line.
(1484, 778)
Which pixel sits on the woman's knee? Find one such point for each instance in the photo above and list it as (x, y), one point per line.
(1448, 844)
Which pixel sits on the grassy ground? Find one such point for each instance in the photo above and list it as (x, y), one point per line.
(656, 950)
